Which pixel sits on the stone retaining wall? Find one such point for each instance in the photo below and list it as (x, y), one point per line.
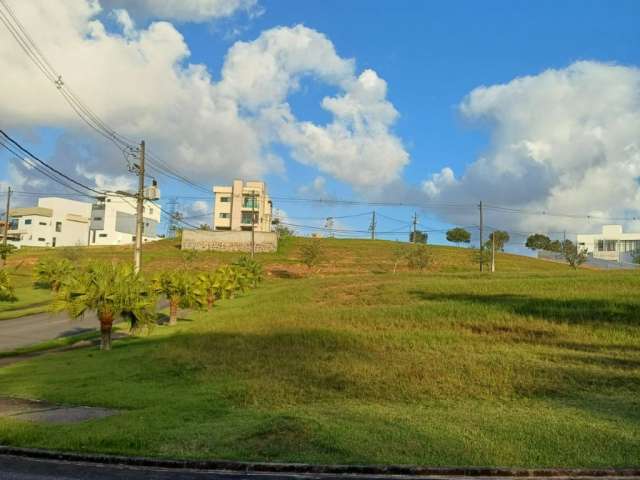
(228, 241)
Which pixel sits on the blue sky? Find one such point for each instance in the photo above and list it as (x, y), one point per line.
(431, 55)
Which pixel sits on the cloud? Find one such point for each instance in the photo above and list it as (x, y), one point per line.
(140, 81)
(184, 10)
(317, 188)
(562, 141)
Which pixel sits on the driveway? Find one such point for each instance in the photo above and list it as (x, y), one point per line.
(25, 331)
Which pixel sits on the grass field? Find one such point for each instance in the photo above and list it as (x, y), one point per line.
(536, 365)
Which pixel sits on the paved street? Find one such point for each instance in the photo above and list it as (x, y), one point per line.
(25, 331)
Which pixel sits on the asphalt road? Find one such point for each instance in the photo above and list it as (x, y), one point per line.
(25, 331)
(19, 468)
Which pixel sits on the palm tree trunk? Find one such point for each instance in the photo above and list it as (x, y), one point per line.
(106, 326)
(173, 312)
(209, 301)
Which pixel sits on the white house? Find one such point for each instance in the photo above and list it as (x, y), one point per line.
(113, 220)
(61, 222)
(612, 244)
(54, 222)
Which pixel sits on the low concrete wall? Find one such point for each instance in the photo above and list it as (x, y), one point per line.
(228, 241)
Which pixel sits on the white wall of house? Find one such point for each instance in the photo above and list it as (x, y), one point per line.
(113, 221)
(69, 221)
(612, 244)
(33, 230)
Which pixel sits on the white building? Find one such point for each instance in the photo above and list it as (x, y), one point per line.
(113, 220)
(240, 206)
(60, 222)
(612, 244)
(54, 222)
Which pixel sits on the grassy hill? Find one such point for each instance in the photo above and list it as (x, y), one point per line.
(536, 365)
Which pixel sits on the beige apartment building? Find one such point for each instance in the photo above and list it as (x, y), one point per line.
(242, 205)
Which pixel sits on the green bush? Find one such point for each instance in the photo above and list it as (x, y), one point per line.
(7, 293)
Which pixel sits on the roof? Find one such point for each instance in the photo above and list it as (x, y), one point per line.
(27, 211)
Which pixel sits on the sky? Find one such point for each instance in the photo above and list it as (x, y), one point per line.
(531, 107)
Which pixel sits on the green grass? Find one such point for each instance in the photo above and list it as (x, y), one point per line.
(30, 301)
(536, 365)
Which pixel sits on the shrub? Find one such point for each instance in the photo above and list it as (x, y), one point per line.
(7, 293)
(52, 273)
(251, 269)
(419, 257)
(311, 253)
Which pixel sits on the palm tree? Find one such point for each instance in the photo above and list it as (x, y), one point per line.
(53, 273)
(251, 269)
(179, 289)
(7, 293)
(211, 286)
(232, 279)
(113, 292)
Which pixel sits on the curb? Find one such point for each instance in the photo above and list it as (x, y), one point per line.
(265, 467)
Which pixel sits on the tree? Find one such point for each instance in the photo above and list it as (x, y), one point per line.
(501, 239)
(311, 253)
(52, 273)
(7, 293)
(419, 257)
(636, 257)
(420, 237)
(458, 235)
(6, 250)
(210, 286)
(555, 246)
(177, 287)
(251, 269)
(112, 291)
(233, 279)
(204, 226)
(538, 241)
(572, 254)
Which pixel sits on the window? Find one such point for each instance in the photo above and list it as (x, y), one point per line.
(250, 201)
(103, 235)
(41, 239)
(607, 245)
(225, 199)
(97, 219)
(27, 221)
(224, 215)
(58, 226)
(246, 218)
(43, 223)
(150, 210)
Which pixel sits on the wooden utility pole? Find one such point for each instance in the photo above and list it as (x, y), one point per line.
(415, 224)
(253, 223)
(373, 225)
(137, 253)
(6, 226)
(481, 239)
(493, 252)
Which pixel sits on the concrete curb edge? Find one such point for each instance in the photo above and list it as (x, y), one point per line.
(266, 467)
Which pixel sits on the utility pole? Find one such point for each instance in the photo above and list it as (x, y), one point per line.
(415, 224)
(493, 252)
(6, 226)
(372, 227)
(481, 239)
(253, 223)
(137, 253)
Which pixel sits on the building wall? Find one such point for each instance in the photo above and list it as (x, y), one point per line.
(69, 222)
(228, 241)
(236, 214)
(612, 244)
(34, 231)
(113, 221)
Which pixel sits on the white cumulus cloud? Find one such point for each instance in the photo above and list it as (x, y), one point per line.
(140, 81)
(183, 10)
(565, 140)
